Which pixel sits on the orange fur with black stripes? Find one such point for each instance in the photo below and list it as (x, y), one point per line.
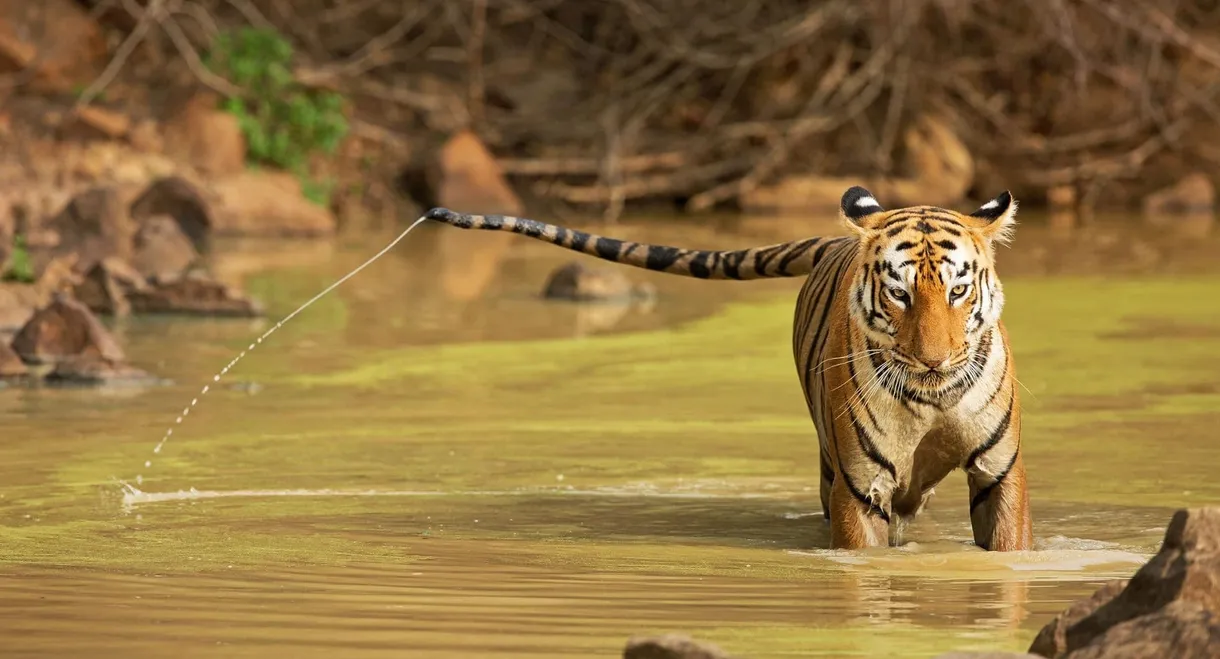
(900, 351)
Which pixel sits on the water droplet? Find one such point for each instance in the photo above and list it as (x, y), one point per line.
(139, 479)
(216, 378)
(205, 389)
(178, 420)
(147, 463)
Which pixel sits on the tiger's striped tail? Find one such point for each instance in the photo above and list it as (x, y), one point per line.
(791, 259)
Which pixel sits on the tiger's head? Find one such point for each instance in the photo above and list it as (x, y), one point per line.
(927, 292)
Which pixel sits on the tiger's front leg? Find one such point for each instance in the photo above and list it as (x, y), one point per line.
(860, 516)
(999, 498)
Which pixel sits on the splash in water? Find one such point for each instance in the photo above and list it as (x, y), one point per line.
(169, 432)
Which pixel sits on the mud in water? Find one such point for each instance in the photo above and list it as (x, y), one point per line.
(433, 462)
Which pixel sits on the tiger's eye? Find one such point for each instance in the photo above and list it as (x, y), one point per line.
(898, 293)
(958, 290)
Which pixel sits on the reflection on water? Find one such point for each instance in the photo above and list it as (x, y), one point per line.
(435, 462)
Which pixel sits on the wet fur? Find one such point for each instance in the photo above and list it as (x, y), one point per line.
(900, 351)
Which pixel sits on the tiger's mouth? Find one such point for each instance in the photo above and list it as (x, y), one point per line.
(926, 377)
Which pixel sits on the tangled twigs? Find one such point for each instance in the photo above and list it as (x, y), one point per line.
(604, 104)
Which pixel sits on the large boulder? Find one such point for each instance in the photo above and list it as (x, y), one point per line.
(65, 330)
(176, 197)
(199, 133)
(94, 225)
(162, 250)
(267, 203)
(11, 365)
(1170, 608)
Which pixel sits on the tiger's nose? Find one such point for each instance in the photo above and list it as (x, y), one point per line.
(934, 363)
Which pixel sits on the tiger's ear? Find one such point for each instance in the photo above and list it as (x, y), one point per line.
(996, 219)
(860, 209)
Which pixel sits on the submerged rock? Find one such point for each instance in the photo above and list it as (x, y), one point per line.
(1170, 608)
(105, 287)
(1193, 194)
(671, 646)
(93, 371)
(194, 294)
(579, 282)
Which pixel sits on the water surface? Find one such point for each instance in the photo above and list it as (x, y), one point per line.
(433, 462)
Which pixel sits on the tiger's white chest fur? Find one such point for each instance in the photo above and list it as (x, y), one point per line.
(904, 431)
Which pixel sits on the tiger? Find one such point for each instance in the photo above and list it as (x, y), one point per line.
(903, 359)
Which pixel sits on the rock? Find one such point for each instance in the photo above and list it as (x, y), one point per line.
(471, 179)
(105, 287)
(176, 197)
(11, 365)
(938, 170)
(1194, 194)
(267, 203)
(65, 329)
(94, 122)
(1061, 197)
(7, 232)
(145, 136)
(95, 371)
(194, 295)
(59, 40)
(162, 250)
(208, 138)
(671, 646)
(1051, 641)
(987, 655)
(94, 225)
(461, 174)
(1182, 630)
(18, 302)
(579, 282)
(1171, 607)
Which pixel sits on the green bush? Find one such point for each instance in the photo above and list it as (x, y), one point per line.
(283, 122)
(20, 269)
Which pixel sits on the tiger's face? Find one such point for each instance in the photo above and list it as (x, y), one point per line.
(927, 293)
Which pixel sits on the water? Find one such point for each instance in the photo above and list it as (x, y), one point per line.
(431, 462)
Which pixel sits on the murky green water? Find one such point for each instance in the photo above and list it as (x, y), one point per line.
(435, 463)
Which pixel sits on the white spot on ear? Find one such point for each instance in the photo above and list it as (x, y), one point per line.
(866, 202)
(990, 205)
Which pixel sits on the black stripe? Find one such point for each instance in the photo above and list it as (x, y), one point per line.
(996, 435)
(764, 257)
(661, 257)
(866, 444)
(608, 248)
(580, 241)
(699, 266)
(982, 494)
(799, 249)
